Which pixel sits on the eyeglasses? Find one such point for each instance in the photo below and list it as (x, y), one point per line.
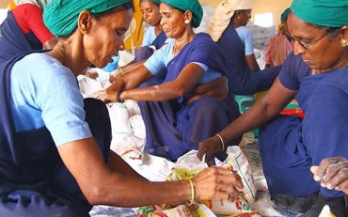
(306, 45)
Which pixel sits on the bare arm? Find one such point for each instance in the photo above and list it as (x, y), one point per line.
(261, 112)
(252, 63)
(121, 71)
(118, 185)
(165, 91)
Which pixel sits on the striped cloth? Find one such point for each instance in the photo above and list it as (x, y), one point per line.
(223, 14)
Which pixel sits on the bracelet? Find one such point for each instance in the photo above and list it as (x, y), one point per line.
(192, 187)
(122, 71)
(222, 141)
(118, 97)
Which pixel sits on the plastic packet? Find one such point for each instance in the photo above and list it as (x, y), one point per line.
(180, 211)
(237, 161)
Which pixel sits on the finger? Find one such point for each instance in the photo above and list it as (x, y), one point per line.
(229, 177)
(314, 170)
(201, 152)
(331, 171)
(322, 167)
(229, 194)
(343, 187)
(209, 154)
(336, 175)
(210, 162)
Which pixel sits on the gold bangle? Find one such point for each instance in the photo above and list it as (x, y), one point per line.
(122, 71)
(192, 187)
(222, 141)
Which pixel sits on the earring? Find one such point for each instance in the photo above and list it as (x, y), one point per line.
(187, 21)
(344, 42)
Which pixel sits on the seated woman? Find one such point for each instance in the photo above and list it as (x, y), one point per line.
(289, 145)
(154, 37)
(175, 120)
(241, 79)
(23, 29)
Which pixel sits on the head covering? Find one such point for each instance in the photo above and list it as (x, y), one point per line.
(60, 16)
(285, 14)
(39, 3)
(191, 5)
(157, 2)
(328, 13)
(222, 16)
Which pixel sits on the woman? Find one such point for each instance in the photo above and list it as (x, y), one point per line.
(241, 79)
(238, 13)
(175, 117)
(154, 37)
(289, 146)
(23, 30)
(280, 45)
(55, 157)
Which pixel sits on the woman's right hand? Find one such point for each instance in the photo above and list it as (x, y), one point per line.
(217, 183)
(106, 96)
(208, 147)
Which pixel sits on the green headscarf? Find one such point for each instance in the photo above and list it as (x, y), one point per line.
(192, 5)
(285, 15)
(60, 16)
(328, 13)
(157, 2)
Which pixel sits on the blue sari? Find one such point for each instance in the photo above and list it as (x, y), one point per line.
(13, 41)
(174, 127)
(240, 78)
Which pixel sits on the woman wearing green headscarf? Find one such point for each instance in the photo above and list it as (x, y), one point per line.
(176, 116)
(316, 73)
(154, 37)
(55, 157)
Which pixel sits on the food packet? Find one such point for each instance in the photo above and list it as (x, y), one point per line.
(237, 161)
(180, 211)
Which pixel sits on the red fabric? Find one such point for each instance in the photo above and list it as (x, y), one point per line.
(29, 19)
(294, 111)
(279, 47)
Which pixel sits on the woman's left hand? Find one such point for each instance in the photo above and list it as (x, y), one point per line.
(208, 147)
(106, 96)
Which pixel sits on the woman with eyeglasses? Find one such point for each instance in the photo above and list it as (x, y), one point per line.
(317, 74)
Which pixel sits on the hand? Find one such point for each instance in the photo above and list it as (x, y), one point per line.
(332, 173)
(106, 96)
(217, 183)
(115, 75)
(208, 147)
